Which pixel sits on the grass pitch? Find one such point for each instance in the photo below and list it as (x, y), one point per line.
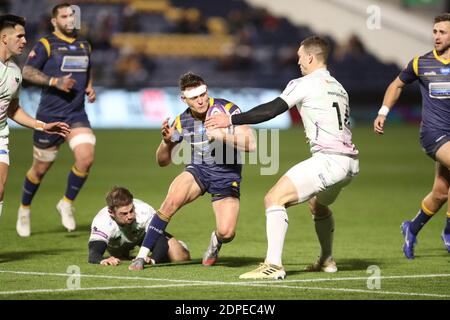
(395, 175)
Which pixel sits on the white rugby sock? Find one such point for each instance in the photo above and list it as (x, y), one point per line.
(325, 231)
(276, 228)
(1, 207)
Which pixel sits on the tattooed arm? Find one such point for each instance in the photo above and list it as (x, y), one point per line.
(36, 76)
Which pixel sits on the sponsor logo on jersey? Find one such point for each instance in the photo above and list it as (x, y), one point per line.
(99, 233)
(62, 49)
(72, 47)
(445, 71)
(75, 64)
(431, 73)
(439, 90)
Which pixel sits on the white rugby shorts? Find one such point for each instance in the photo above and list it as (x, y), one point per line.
(4, 151)
(323, 175)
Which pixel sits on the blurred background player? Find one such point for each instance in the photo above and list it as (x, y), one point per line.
(13, 41)
(60, 64)
(209, 170)
(121, 225)
(433, 73)
(324, 107)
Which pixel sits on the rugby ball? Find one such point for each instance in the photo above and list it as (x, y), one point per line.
(216, 109)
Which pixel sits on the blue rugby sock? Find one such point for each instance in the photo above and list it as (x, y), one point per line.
(155, 230)
(75, 182)
(447, 226)
(419, 221)
(30, 187)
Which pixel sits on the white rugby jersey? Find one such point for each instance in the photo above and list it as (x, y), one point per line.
(104, 228)
(10, 81)
(323, 105)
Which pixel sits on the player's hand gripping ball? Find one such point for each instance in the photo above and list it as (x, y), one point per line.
(217, 133)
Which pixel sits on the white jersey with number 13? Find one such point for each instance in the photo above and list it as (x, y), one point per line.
(323, 105)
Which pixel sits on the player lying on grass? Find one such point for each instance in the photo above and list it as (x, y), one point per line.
(121, 225)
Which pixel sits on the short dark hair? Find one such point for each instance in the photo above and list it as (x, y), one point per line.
(190, 79)
(442, 17)
(118, 197)
(10, 21)
(59, 6)
(317, 46)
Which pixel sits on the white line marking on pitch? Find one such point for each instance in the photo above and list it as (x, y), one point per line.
(230, 283)
(436, 295)
(93, 288)
(419, 276)
(185, 283)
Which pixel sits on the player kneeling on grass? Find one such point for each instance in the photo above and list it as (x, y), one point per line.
(121, 225)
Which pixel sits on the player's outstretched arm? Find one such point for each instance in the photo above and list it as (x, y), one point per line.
(16, 113)
(258, 114)
(391, 96)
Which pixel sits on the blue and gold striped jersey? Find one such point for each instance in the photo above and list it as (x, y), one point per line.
(57, 55)
(204, 152)
(433, 74)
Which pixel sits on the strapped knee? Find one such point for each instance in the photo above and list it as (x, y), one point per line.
(82, 138)
(44, 155)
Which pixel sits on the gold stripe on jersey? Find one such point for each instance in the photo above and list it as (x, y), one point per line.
(64, 38)
(178, 124)
(416, 65)
(229, 105)
(46, 45)
(444, 61)
(211, 101)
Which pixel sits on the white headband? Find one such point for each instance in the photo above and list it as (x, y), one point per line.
(192, 93)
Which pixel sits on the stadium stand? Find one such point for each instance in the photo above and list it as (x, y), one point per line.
(234, 44)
